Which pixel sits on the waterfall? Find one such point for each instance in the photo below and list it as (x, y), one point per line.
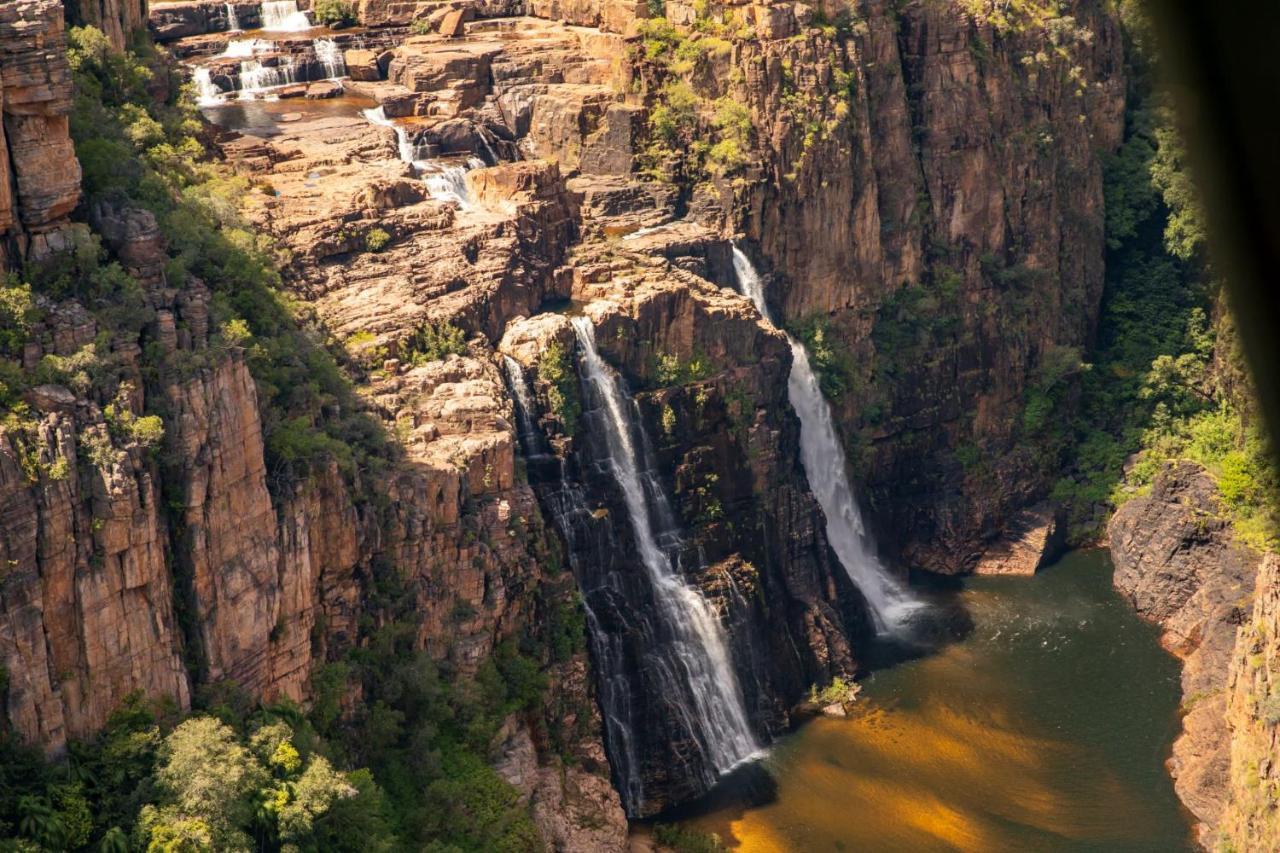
(825, 465)
(256, 77)
(329, 55)
(233, 19)
(283, 16)
(207, 92)
(408, 151)
(245, 48)
(447, 182)
(689, 654)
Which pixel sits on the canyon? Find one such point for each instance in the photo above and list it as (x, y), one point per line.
(556, 290)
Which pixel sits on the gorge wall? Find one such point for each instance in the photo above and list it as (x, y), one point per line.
(923, 186)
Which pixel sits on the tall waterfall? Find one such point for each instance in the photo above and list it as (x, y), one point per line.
(233, 19)
(590, 540)
(691, 654)
(282, 16)
(824, 461)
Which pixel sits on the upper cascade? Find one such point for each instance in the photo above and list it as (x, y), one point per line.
(283, 16)
(891, 604)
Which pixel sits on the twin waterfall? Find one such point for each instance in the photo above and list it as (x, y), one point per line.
(823, 456)
(695, 654)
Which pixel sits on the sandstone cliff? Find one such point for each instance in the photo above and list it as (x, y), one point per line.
(1177, 563)
(39, 174)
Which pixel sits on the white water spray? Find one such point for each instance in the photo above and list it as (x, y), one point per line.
(245, 48)
(207, 92)
(282, 16)
(256, 78)
(329, 55)
(698, 652)
(825, 465)
(233, 19)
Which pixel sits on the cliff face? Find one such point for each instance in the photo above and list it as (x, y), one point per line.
(1177, 563)
(1253, 712)
(947, 230)
(41, 177)
(926, 193)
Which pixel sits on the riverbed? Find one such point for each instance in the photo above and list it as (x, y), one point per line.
(1043, 727)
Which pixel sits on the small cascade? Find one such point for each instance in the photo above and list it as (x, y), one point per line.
(283, 16)
(329, 55)
(256, 77)
(408, 151)
(686, 651)
(822, 454)
(233, 18)
(448, 181)
(207, 92)
(246, 48)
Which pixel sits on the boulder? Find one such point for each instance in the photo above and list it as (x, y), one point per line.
(362, 65)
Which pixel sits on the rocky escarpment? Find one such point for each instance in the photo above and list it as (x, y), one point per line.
(214, 556)
(1177, 563)
(1250, 821)
(943, 227)
(39, 174)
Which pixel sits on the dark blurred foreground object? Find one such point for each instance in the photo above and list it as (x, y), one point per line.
(1220, 60)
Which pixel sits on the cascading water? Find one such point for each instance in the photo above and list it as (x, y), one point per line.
(408, 151)
(824, 464)
(448, 181)
(207, 92)
(591, 546)
(329, 55)
(233, 19)
(282, 16)
(690, 655)
(245, 48)
(256, 77)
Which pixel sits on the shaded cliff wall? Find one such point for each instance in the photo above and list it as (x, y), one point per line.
(946, 233)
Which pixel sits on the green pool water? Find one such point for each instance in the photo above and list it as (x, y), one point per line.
(1043, 728)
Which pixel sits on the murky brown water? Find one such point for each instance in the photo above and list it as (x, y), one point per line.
(1045, 729)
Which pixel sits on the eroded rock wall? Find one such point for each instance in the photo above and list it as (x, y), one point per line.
(39, 173)
(1178, 564)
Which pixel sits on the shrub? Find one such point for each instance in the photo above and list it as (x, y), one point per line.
(556, 368)
(376, 240)
(334, 13)
(685, 840)
(434, 342)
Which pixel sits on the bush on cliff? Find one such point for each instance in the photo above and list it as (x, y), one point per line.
(334, 13)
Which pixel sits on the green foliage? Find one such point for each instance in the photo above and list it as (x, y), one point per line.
(840, 691)
(334, 13)
(669, 369)
(421, 27)
(376, 240)
(555, 367)
(434, 342)
(144, 153)
(827, 356)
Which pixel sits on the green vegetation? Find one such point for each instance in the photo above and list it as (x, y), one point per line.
(139, 152)
(839, 692)
(690, 136)
(556, 368)
(334, 13)
(827, 357)
(434, 342)
(376, 240)
(1167, 382)
(669, 369)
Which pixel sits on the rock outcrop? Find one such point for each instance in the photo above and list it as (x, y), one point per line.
(1250, 821)
(39, 173)
(1178, 565)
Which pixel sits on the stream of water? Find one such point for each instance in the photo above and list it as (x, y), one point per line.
(891, 604)
(1044, 728)
(699, 682)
